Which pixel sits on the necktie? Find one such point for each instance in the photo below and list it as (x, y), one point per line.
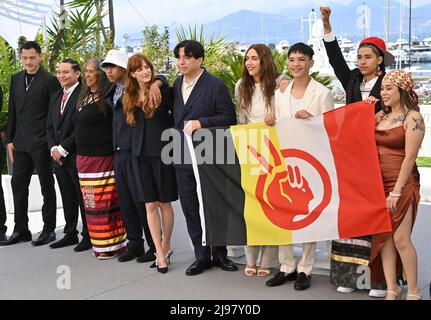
(63, 102)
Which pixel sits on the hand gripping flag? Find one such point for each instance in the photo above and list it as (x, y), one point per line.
(299, 181)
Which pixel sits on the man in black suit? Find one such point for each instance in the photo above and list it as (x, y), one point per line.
(133, 211)
(3, 227)
(30, 93)
(61, 142)
(201, 101)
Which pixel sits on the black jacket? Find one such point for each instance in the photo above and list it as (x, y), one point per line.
(147, 132)
(60, 128)
(210, 102)
(28, 110)
(121, 131)
(350, 79)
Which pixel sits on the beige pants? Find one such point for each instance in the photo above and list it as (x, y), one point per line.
(269, 255)
(288, 261)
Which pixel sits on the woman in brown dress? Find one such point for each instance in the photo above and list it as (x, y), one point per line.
(400, 130)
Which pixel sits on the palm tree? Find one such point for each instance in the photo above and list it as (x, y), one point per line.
(8, 66)
(99, 6)
(111, 20)
(231, 71)
(58, 37)
(78, 41)
(216, 46)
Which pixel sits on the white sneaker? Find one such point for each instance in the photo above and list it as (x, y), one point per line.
(345, 290)
(377, 293)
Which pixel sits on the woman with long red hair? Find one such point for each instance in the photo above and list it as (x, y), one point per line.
(156, 180)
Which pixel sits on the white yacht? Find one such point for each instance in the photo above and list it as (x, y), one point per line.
(282, 46)
(241, 48)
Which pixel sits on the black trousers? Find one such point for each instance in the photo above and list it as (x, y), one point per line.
(70, 190)
(190, 204)
(3, 227)
(23, 166)
(133, 211)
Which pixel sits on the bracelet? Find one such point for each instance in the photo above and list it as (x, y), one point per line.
(397, 195)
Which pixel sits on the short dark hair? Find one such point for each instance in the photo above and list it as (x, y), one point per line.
(75, 64)
(192, 48)
(31, 45)
(301, 48)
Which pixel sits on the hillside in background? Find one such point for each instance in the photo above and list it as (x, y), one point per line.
(249, 26)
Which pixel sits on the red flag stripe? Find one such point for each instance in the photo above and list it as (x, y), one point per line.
(357, 173)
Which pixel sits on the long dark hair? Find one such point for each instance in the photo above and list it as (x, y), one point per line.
(102, 86)
(132, 89)
(358, 76)
(408, 100)
(268, 76)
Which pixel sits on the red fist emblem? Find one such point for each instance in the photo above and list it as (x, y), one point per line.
(284, 193)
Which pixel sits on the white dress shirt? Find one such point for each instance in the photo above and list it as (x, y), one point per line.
(69, 92)
(329, 37)
(187, 87)
(366, 87)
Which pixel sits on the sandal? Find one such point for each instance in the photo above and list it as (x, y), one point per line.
(105, 256)
(395, 294)
(263, 272)
(250, 271)
(417, 296)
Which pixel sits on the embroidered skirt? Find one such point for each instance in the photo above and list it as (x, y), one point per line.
(102, 208)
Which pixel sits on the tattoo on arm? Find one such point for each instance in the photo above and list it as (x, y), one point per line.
(418, 124)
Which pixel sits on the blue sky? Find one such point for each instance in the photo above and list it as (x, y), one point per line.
(132, 16)
(187, 12)
(166, 12)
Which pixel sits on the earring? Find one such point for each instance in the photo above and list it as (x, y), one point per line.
(379, 72)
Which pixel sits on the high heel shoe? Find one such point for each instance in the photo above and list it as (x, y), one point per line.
(168, 259)
(162, 269)
(154, 264)
(168, 256)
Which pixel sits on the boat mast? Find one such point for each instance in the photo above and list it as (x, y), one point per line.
(387, 26)
(398, 63)
(261, 28)
(365, 20)
(410, 33)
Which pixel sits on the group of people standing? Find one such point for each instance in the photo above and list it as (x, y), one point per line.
(102, 137)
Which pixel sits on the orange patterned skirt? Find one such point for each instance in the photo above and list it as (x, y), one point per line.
(102, 208)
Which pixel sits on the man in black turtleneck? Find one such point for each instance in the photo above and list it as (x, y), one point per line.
(30, 92)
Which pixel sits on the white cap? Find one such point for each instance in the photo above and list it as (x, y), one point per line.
(116, 57)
